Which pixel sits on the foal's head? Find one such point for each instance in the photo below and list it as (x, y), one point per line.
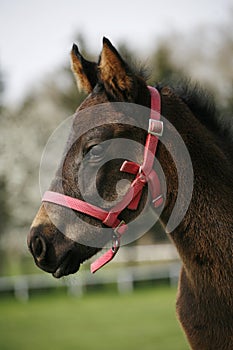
(61, 239)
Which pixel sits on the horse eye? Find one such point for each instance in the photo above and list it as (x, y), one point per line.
(96, 151)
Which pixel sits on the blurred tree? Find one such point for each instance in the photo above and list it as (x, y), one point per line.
(163, 66)
(4, 206)
(4, 218)
(60, 87)
(4, 209)
(2, 87)
(62, 90)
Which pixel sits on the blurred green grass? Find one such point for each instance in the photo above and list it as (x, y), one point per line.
(143, 320)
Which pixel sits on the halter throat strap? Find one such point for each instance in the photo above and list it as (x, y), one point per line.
(144, 173)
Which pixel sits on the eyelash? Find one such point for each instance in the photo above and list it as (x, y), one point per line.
(89, 151)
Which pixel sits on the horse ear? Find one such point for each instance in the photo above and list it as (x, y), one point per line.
(85, 72)
(114, 72)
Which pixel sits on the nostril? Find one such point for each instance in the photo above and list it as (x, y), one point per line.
(38, 247)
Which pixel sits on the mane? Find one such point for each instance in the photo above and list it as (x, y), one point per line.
(204, 107)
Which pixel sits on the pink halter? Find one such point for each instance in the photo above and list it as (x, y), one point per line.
(143, 174)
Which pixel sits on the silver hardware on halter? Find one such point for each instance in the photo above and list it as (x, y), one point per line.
(118, 226)
(116, 237)
(155, 127)
(141, 174)
(115, 243)
(157, 198)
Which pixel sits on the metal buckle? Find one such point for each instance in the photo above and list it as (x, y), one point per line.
(141, 174)
(155, 127)
(116, 237)
(118, 226)
(115, 243)
(158, 199)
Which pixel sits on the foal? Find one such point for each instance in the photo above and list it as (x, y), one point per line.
(204, 237)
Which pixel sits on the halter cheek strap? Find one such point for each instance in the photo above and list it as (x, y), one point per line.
(143, 174)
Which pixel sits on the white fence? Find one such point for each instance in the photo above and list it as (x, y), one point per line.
(150, 263)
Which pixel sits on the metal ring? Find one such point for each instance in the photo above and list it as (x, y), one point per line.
(115, 243)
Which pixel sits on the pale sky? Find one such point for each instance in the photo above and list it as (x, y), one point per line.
(36, 35)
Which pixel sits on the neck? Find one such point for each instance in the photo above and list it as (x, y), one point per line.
(204, 237)
(210, 210)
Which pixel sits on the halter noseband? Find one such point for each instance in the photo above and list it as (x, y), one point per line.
(143, 174)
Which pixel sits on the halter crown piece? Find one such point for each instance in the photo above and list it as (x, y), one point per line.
(143, 174)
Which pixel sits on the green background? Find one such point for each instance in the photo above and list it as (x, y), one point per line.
(142, 320)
